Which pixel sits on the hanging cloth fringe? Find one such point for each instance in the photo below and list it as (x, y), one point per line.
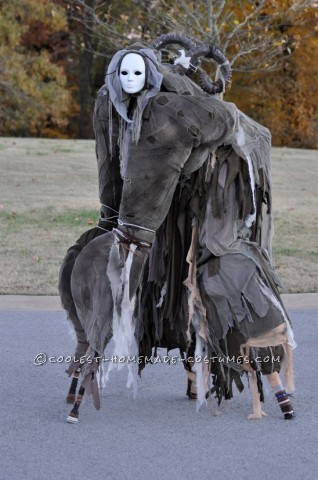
(125, 344)
(197, 319)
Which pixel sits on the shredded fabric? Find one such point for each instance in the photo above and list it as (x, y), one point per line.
(123, 324)
(187, 264)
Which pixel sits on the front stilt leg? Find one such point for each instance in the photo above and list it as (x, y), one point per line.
(73, 416)
(256, 403)
(72, 391)
(281, 396)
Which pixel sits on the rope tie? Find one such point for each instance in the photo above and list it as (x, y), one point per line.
(122, 224)
(110, 208)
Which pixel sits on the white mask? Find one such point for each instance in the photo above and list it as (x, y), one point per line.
(132, 73)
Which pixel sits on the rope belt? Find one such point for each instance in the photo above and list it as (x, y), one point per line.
(124, 238)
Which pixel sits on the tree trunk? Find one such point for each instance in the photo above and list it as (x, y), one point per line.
(85, 129)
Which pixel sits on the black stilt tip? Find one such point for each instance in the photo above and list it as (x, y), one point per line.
(191, 395)
(289, 416)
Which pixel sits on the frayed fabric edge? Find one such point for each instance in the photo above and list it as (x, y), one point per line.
(123, 324)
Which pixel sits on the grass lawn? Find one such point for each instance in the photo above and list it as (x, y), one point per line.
(49, 196)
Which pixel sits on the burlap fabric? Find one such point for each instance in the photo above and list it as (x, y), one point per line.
(195, 185)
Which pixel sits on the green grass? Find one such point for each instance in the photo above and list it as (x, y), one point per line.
(69, 218)
(34, 247)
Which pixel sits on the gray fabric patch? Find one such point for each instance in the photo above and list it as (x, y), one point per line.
(162, 100)
(193, 130)
(151, 139)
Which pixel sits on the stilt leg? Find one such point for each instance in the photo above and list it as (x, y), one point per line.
(256, 403)
(72, 391)
(281, 396)
(192, 386)
(73, 416)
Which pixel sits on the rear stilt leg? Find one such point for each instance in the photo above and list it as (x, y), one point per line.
(281, 395)
(73, 416)
(192, 391)
(256, 403)
(72, 391)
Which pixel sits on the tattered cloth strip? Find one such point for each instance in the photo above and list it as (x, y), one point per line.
(197, 320)
(124, 301)
(91, 385)
(166, 177)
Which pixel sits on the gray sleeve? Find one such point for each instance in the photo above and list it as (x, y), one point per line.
(107, 154)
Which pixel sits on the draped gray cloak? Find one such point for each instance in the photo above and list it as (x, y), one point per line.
(191, 203)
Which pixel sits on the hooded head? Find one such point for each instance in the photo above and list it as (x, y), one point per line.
(141, 65)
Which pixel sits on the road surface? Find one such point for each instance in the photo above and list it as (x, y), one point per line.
(158, 435)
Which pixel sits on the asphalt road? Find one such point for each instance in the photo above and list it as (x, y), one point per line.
(158, 435)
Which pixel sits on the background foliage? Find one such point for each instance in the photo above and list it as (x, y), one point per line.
(53, 56)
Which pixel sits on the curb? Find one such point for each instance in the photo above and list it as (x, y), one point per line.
(29, 303)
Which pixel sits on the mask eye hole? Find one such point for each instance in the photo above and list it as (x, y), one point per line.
(123, 72)
(138, 72)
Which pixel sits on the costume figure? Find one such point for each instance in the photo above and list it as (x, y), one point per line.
(181, 256)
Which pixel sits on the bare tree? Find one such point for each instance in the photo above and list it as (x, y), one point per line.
(253, 33)
(108, 27)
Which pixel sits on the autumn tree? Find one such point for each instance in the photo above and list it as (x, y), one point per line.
(285, 99)
(34, 97)
(98, 29)
(260, 38)
(253, 33)
(53, 56)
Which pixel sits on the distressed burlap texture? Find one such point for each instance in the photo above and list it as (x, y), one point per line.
(199, 163)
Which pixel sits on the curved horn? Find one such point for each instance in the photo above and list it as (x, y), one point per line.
(171, 38)
(209, 51)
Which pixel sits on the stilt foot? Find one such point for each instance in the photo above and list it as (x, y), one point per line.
(257, 416)
(289, 416)
(71, 419)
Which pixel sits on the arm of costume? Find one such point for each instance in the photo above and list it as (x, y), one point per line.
(106, 128)
(175, 130)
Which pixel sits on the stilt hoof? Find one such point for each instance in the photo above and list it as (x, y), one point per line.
(70, 398)
(71, 419)
(192, 396)
(192, 391)
(289, 416)
(257, 416)
(254, 416)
